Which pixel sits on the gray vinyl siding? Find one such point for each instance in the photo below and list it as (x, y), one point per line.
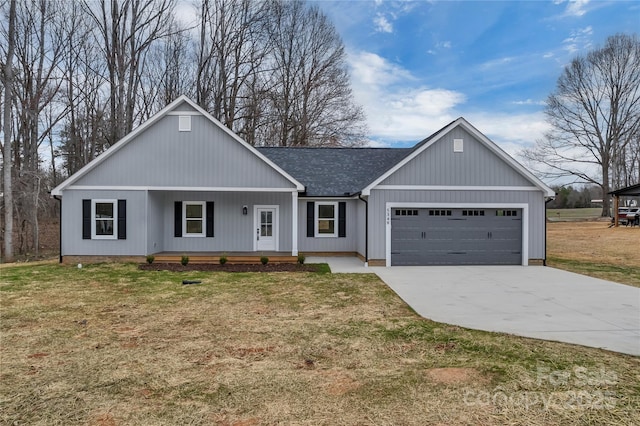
(233, 231)
(133, 245)
(207, 156)
(155, 222)
(328, 244)
(475, 166)
(379, 198)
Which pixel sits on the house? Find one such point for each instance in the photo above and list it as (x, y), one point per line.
(183, 183)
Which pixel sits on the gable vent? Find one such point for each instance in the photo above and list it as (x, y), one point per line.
(458, 145)
(184, 123)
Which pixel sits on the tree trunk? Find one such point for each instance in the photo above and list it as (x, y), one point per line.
(8, 92)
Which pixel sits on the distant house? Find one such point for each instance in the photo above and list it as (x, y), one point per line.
(183, 183)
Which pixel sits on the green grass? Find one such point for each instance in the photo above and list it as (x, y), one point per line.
(574, 214)
(629, 275)
(110, 344)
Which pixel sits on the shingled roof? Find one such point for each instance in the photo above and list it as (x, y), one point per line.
(334, 172)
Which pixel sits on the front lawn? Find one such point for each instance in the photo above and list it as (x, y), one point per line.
(110, 344)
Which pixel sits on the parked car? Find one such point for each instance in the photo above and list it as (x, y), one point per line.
(633, 216)
(622, 215)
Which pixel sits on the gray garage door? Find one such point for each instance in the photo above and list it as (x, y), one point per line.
(456, 236)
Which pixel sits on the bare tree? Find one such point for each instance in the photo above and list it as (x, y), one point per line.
(595, 117)
(127, 30)
(231, 50)
(310, 95)
(7, 155)
(168, 72)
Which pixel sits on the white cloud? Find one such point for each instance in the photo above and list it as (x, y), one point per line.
(529, 102)
(512, 132)
(400, 109)
(496, 63)
(398, 106)
(579, 39)
(576, 8)
(382, 24)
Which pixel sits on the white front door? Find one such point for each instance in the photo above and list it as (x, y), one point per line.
(266, 228)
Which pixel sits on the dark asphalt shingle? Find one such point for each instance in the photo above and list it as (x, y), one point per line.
(330, 172)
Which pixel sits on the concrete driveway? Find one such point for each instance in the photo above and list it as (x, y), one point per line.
(532, 301)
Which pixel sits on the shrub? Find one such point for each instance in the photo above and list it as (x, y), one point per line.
(223, 259)
(301, 258)
(264, 260)
(150, 259)
(184, 261)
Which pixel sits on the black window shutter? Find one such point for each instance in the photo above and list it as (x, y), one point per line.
(122, 219)
(86, 219)
(209, 218)
(177, 224)
(342, 219)
(311, 229)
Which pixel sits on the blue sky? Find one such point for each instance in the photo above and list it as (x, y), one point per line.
(417, 65)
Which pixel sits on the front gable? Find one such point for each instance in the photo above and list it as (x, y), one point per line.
(440, 165)
(181, 147)
(458, 156)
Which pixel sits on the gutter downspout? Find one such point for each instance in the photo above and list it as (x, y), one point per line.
(366, 230)
(60, 228)
(544, 261)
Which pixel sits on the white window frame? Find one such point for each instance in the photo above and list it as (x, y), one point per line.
(95, 236)
(317, 219)
(203, 219)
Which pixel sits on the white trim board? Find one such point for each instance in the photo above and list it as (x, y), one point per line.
(523, 206)
(455, 188)
(178, 188)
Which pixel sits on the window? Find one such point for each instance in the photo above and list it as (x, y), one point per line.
(513, 213)
(326, 214)
(193, 214)
(439, 212)
(406, 212)
(104, 219)
(472, 212)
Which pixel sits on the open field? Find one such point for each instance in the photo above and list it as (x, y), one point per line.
(592, 248)
(574, 214)
(112, 345)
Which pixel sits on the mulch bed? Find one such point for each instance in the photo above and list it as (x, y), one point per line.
(207, 267)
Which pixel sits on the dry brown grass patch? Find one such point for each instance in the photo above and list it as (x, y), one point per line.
(455, 376)
(594, 242)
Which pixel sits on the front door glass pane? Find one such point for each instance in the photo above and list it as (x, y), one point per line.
(266, 224)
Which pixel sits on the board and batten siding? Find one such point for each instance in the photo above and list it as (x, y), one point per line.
(328, 244)
(205, 157)
(233, 231)
(438, 164)
(134, 245)
(379, 198)
(155, 222)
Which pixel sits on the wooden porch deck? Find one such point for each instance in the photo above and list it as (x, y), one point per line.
(233, 258)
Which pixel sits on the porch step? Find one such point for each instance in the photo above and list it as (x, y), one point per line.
(231, 260)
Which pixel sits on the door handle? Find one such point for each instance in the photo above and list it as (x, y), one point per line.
(257, 234)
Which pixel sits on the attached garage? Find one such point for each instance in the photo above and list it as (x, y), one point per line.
(456, 236)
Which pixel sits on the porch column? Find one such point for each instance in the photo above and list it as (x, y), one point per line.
(294, 223)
